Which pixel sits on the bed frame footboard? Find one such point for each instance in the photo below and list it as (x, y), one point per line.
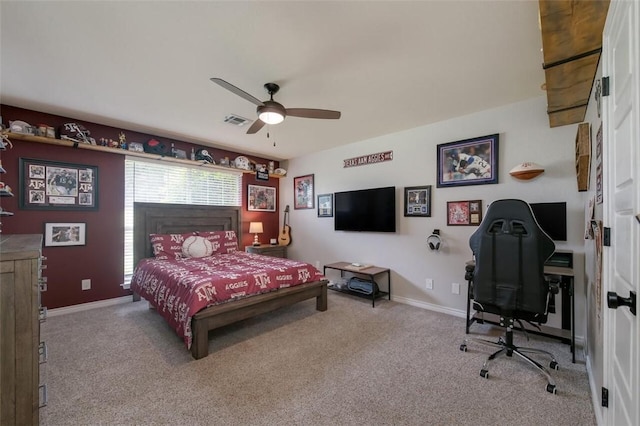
(228, 313)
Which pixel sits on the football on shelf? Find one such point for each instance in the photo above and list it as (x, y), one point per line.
(526, 171)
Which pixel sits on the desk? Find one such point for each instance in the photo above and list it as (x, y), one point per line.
(567, 333)
(369, 271)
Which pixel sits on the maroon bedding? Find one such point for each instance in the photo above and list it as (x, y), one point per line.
(179, 288)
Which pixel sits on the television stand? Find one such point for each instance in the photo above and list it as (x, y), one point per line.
(369, 271)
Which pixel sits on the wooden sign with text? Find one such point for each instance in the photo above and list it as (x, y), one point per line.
(378, 157)
(260, 175)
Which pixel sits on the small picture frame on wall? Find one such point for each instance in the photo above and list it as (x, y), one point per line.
(468, 162)
(261, 198)
(325, 205)
(417, 201)
(65, 234)
(464, 213)
(303, 192)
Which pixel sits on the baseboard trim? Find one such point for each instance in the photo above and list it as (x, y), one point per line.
(579, 340)
(430, 306)
(595, 393)
(87, 306)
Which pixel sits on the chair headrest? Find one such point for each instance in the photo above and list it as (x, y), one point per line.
(511, 217)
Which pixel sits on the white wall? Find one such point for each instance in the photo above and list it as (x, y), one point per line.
(525, 135)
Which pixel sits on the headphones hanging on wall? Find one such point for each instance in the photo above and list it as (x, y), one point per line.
(434, 241)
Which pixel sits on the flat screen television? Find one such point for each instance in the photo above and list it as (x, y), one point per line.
(552, 218)
(366, 210)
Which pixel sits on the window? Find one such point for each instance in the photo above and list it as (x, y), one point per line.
(156, 182)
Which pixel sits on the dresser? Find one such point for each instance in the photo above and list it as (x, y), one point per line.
(21, 351)
(268, 250)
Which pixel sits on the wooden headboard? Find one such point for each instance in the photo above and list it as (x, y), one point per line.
(158, 218)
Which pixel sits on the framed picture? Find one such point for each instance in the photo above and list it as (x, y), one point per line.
(261, 198)
(65, 234)
(303, 192)
(49, 185)
(417, 201)
(468, 162)
(464, 213)
(325, 205)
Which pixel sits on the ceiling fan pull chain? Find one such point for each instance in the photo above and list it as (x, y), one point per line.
(268, 134)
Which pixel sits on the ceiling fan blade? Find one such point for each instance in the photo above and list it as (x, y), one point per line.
(257, 125)
(233, 89)
(313, 113)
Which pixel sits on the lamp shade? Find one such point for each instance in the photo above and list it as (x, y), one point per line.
(255, 228)
(271, 117)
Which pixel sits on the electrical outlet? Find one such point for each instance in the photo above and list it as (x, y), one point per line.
(429, 283)
(455, 288)
(86, 284)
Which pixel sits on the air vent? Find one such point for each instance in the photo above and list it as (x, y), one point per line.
(236, 120)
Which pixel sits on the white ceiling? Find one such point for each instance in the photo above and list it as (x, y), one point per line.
(386, 65)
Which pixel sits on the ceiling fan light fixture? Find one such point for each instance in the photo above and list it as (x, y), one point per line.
(271, 112)
(271, 117)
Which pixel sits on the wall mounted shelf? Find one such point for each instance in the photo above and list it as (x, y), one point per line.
(71, 144)
(571, 41)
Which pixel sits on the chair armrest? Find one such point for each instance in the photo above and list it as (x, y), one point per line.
(554, 283)
(468, 275)
(554, 288)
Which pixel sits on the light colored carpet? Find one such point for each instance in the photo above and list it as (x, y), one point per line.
(351, 365)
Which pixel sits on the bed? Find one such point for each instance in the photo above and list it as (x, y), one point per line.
(207, 309)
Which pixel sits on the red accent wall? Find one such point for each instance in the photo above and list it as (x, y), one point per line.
(269, 219)
(101, 259)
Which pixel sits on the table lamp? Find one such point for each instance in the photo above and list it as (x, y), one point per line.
(255, 228)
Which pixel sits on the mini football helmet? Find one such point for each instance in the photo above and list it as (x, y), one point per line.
(203, 155)
(76, 132)
(154, 146)
(242, 162)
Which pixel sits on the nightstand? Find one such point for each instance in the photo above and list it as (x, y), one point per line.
(268, 250)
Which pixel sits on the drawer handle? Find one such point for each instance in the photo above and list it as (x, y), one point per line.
(42, 281)
(43, 393)
(43, 313)
(43, 352)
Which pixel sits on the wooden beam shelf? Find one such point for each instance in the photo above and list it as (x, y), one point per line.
(571, 41)
(106, 149)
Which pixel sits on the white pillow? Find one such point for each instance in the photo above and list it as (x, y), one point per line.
(196, 246)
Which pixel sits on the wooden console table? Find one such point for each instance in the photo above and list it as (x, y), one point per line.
(368, 271)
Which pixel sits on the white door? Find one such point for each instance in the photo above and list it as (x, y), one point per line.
(621, 266)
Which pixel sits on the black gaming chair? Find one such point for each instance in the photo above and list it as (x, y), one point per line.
(508, 280)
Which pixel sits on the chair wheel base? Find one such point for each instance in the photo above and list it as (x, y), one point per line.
(463, 347)
(551, 388)
(484, 373)
(554, 365)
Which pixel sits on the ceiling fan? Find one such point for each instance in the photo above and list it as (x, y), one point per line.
(272, 112)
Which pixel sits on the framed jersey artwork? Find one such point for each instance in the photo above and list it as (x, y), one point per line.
(464, 213)
(49, 185)
(468, 162)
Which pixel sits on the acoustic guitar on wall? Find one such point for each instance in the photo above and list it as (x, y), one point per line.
(284, 239)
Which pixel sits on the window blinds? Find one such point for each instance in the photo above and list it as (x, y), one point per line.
(155, 182)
